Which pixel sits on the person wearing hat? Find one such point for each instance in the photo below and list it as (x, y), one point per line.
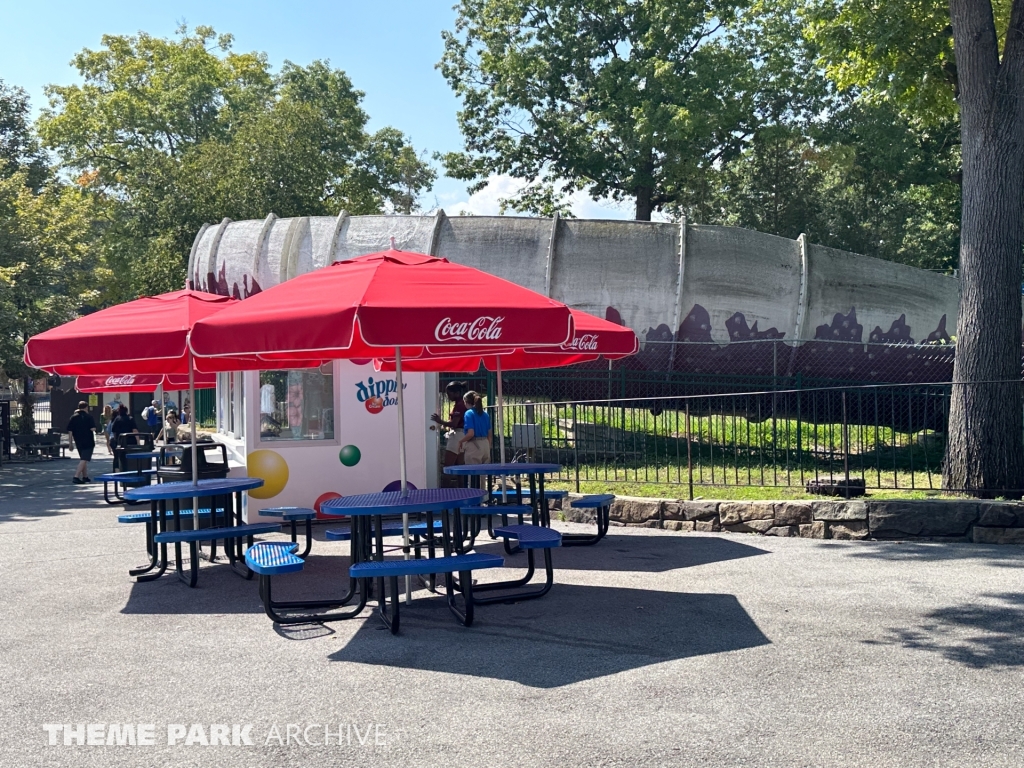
(82, 429)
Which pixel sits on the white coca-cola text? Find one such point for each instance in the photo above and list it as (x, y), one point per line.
(120, 381)
(585, 343)
(481, 329)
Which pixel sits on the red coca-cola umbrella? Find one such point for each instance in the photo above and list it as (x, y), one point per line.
(394, 303)
(145, 382)
(148, 335)
(145, 336)
(592, 339)
(368, 306)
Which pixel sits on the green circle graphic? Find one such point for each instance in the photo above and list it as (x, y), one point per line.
(350, 455)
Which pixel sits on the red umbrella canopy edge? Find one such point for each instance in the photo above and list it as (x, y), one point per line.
(592, 339)
(147, 335)
(364, 306)
(142, 382)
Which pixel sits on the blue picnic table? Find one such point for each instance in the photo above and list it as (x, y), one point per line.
(167, 528)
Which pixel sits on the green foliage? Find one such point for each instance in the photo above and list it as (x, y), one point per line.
(903, 55)
(170, 134)
(854, 173)
(627, 100)
(19, 150)
(865, 181)
(47, 265)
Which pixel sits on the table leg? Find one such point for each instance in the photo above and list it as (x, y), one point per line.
(161, 525)
(309, 538)
(176, 506)
(151, 548)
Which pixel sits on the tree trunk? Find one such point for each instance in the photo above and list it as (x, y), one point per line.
(644, 205)
(26, 421)
(985, 449)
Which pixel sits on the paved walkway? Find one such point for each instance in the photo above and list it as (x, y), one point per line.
(654, 648)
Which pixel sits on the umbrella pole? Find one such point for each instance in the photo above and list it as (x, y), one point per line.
(400, 401)
(501, 424)
(163, 411)
(192, 429)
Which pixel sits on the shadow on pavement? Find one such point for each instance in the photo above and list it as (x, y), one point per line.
(39, 489)
(575, 633)
(931, 551)
(975, 635)
(221, 590)
(648, 554)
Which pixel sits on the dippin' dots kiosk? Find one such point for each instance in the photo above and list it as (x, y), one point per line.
(316, 434)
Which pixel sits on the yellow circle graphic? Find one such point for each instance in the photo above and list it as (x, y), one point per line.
(272, 469)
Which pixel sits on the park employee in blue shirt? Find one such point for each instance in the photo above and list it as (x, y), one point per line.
(476, 442)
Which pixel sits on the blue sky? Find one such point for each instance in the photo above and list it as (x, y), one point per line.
(388, 48)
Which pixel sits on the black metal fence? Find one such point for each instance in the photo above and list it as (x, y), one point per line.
(765, 412)
(40, 415)
(890, 437)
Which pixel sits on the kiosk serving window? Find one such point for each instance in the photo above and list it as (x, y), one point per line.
(296, 405)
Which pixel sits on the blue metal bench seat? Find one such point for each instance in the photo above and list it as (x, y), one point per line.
(212, 534)
(499, 509)
(145, 517)
(375, 569)
(127, 478)
(476, 514)
(275, 558)
(294, 515)
(601, 503)
(464, 565)
(549, 493)
(226, 534)
(529, 538)
(133, 478)
(593, 501)
(388, 529)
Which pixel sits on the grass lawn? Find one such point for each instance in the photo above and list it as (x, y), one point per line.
(730, 492)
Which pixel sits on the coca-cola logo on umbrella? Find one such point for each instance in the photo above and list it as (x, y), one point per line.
(585, 343)
(119, 381)
(481, 329)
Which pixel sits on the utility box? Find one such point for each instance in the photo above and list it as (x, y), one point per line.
(526, 436)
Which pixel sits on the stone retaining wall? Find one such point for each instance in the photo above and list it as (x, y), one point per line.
(984, 522)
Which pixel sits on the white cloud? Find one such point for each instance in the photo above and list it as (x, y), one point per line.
(487, 202)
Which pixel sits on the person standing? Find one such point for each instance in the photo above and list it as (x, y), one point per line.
(455, 391)
(476, 442)
(82, 429)
(152, 417)
(123, 424)
(171, 427)
(108, 416)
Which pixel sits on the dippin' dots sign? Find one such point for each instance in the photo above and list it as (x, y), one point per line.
(375, 395)
(215, 735)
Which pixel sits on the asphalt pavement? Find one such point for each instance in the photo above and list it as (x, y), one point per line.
(654, 648)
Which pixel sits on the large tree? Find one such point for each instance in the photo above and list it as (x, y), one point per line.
(965, 61)
(47, 264)
(985, 450)
(862, 179)
(172, 133)
(628, 100)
